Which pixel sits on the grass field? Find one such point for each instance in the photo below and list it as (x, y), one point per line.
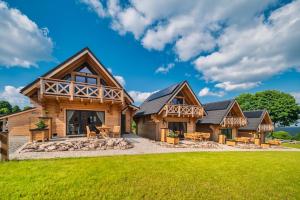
(297, 146)
(226, 175)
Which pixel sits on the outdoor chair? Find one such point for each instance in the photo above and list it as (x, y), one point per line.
(274, 142)
(116, 132)
(90, 133)
(206, 136)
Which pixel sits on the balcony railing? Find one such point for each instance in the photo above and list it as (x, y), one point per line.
(265, 127)
(72, 90)
(183, 110)
(234, 122)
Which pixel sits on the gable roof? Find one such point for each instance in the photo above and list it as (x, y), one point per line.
(80, 53)
(155, 102)
(254, 119)
(216, 111)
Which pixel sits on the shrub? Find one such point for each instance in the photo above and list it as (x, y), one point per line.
(172, 134)
(282, 135)
(41, 124)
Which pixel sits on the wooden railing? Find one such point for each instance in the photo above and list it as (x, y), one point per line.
(74, 89)
(234, 122)
(183, 110)
(265, 127)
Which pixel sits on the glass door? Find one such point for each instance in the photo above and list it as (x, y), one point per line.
(178, 127)
(77, 120)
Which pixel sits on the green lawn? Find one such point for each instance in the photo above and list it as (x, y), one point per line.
(297, 146)
(226, 175)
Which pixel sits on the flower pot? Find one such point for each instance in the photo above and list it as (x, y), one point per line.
(257, 141)
(171, 140)
(39, 134)
(222, 139)
(163, 134)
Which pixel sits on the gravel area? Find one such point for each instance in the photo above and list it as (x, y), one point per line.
(15, 142)
(140, 146)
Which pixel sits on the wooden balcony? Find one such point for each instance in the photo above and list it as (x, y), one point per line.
(183, 110)
(71, 89)
(234, 122)
(265, 128)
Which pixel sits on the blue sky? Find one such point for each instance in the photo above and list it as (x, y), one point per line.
(222, 50)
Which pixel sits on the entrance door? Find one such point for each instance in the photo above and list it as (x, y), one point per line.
(178, 127)
(123, 123)
(77, 120)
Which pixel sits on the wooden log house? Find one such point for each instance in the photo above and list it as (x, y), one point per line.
(176, 108)
(76, 93)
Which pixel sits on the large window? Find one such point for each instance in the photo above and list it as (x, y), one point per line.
(178, 127)
(227, 132)
(77, 120)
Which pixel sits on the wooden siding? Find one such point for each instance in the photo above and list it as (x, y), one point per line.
(57, 111)
(19, 125)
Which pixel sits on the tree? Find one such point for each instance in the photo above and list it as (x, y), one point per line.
(282, 135)
(26, 108)
(15, 109)
(5, 107)
(282, 107)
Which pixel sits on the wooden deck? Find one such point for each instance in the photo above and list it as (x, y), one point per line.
(183, 110)
(71, 89)
(234, 122)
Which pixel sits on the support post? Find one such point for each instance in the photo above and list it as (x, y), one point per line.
(4, 151)
(72, 90)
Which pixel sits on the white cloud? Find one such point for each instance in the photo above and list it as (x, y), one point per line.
(96, 6)
(23, 43)
(206, 92)
(121, 80)
(140, 97)
(165, 69)
(13, 96)
(297, 96)
(230, 43)
(229, 86)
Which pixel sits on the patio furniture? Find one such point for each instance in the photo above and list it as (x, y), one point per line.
(274, 142)
(265, 145)
(206, 136)
(163, 134)
(231, 143)
(104, 131)
(245, 140)
(190, 136)
(90, 133)
(257, 141)
(222, 139)
(116, 132)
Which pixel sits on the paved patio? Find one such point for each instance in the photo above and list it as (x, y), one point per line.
(141, 146)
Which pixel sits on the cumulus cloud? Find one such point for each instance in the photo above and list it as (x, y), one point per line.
(23, 43)
(165, 69)
(207, 92)
(121, 80)
(140, 97)
(13, 96)
(234, 44)
(297, 96)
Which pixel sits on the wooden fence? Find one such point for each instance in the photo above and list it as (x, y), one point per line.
(4, 146)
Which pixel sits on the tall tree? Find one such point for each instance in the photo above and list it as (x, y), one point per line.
(15, 109)
(5, 107)
(282, 107)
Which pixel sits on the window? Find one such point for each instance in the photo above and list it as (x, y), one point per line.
(177, 101)
(85, 79)
(227, 132)
(178, 127)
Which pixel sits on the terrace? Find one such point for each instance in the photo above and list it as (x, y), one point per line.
(71, 89)
(234, 122)
(183, 110)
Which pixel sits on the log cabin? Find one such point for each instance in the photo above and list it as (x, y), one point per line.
(74, 94)
(259, 124)
(223, 118)
(176, 108)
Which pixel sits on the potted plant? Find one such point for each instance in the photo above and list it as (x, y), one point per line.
(40, 133)
(172, 138)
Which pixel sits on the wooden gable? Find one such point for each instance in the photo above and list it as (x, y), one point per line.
(235, 111)
(86, 60)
